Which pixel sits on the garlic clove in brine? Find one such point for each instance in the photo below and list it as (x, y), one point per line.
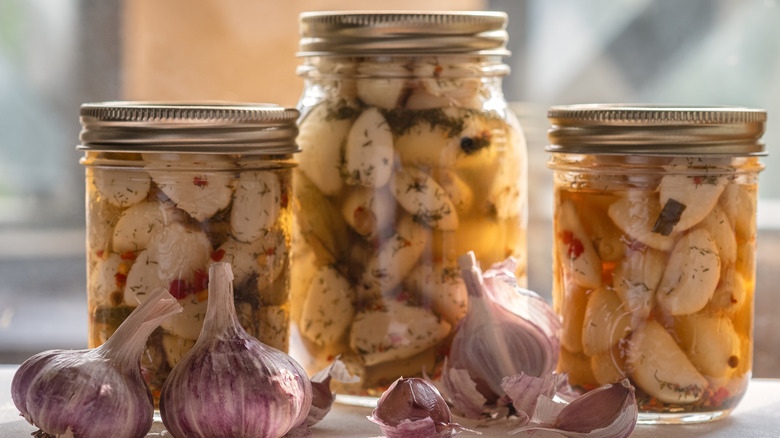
(230, 384)
(94, 393)
(411, 408)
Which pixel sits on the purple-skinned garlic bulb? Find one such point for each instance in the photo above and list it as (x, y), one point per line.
(230, 384)
(505, 332)
(414, 408)
(94, 393)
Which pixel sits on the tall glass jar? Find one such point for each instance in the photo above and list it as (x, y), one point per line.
(410, 158)
(654, 252)
(172, 188)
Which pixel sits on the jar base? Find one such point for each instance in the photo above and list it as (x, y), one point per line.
(357, 400)
(681, 417)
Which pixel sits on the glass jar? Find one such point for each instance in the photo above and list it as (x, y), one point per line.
(172, 188)
(654, 252)
(410, 158)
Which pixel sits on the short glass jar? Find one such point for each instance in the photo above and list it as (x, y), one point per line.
(172, 188)
(410, 158)
(654, 252)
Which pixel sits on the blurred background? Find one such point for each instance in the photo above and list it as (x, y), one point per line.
(56, 54)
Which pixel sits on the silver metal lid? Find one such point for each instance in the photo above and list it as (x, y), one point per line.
(227, 128)
(656, 130)
(402, 32)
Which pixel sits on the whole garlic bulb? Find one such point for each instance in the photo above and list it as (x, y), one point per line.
(94, 393)
(230, 384)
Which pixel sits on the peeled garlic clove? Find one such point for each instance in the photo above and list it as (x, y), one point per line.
(256, 204)
(661, 368)
(441, 286)
(230, 384)
(721, 230)
(637, 214)
(321, 138)
(394, 332)
(605, 322)
(421, 196)
(636, 278)
(698, 193)
(328, 309)
(576, 252)
(710, 342)
(380, 91)
(369, 212)
(122, 188)
(139, 225)
(413, 407)
(691, 275)
(368, 157)
(94, 393)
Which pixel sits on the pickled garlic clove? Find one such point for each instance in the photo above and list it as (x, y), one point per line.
(122, 188)
(321, 138)
(731, 293)
(575, 301)
(609, 366)
(698, 193)
(422, 197)
(369, 212)
(394, 259)
(188, 323)
(461, 195)
(691, 274)
(420, 99)
(710, 342)
(380, 91)
(175, 348)
(319, 223)
(441, 287)
(636, 278)
(395, 331)
(107, 276)
(369, 154)
(605, 322)
(661, 368)
(201, 193)
(256, 204)
(575, 251)
(328, 308)
(719, 227)
(413, 407)
(140, 224)
(143, 277)
(636, 214)
(738, 202)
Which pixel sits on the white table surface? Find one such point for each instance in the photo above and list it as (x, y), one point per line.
(758, 415)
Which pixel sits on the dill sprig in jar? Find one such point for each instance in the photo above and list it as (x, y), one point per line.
(172, 188)
(654, 252)
(410, 158)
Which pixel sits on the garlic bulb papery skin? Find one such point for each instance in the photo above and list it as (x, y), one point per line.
(609, 411)
(94, 393)
(414, 408)
(322, 397)
(230, 384)
(506, 331)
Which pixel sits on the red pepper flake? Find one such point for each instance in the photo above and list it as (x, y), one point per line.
(201, 281)
(217, 255)
(121, 279)
(127, 255)
(284, 200)
(402, 297)
(100, 253)
(437, 70)
(179, 289)
(566, 236)
(719, 396)
(576, 248)
(697, 180)
(270, 251)
(200, 182)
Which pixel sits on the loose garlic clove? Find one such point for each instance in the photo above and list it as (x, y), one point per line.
(368, 157)
(396, 331)
(122, 188)
(661, 368)
(575, 251)
(421, 196)
(322, 137)
(605, 323)
(691, 275)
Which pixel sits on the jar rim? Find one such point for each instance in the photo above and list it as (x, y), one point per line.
(656, 129)
(325, 33)
(211, 127)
